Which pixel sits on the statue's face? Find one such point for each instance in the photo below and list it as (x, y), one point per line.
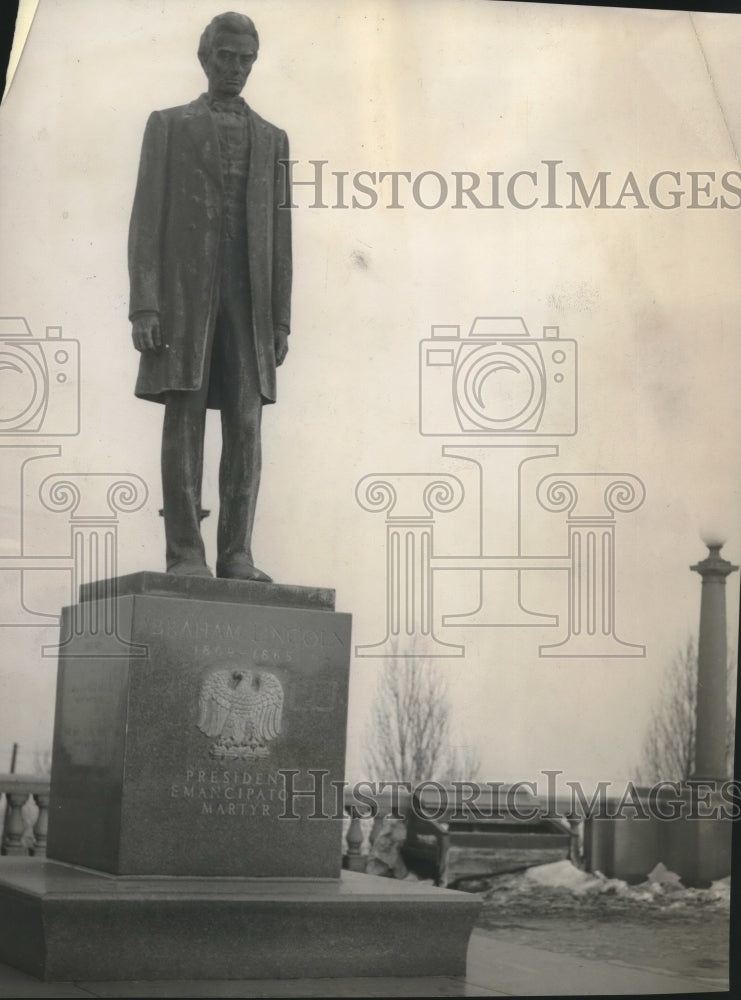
(229, 63)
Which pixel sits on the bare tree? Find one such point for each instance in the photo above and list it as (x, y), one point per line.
(409, 736)
(463, 764)
(669, 747)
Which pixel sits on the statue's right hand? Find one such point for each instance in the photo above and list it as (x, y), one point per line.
(145, 332)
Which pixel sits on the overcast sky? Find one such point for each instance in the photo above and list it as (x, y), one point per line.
(648, 293)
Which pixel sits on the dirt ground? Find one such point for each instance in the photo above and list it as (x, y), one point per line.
(658, 926)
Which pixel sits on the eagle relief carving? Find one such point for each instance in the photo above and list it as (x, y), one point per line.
(243, 709)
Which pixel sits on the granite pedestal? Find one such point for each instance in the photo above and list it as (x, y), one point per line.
(195, 823)
(178, 762)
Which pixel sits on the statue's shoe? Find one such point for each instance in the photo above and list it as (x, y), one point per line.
(189, 567)
(241, 568)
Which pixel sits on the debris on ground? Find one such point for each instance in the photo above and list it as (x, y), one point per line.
(658, 924)
(660, 875)
(562, 887)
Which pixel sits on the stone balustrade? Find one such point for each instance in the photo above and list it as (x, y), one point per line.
(366, 810)
(26, 801)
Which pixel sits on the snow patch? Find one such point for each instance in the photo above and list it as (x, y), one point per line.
(662, 887)
(661, 875)
(562, 875)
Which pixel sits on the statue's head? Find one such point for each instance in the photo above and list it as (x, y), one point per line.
(227, 52)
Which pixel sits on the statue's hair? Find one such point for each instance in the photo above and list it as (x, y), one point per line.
(238, 24)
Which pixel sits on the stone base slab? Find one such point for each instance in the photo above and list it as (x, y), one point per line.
(62, 923)
(208, 589)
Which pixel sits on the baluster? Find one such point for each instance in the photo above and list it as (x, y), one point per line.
(355, 860)
(376, 828)
(576, 854)
(41, 825)
(14, 824)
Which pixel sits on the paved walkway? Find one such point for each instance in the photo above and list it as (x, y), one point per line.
(494, 968)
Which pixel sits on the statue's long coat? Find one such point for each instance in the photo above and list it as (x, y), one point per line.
(175, 244)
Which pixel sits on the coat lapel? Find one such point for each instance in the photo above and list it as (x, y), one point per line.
(260, 247)
(259, 146)
(201, 130)
(259, 181)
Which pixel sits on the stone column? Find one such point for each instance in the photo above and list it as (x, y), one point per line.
(711, 708)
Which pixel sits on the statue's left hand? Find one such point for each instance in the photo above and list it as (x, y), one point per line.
(281, 344)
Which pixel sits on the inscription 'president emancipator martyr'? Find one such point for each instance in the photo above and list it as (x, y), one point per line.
(230, 793)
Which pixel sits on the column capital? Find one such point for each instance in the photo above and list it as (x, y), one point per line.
(93, 496)
(409, 496)
(591, 496)
(714, 565)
